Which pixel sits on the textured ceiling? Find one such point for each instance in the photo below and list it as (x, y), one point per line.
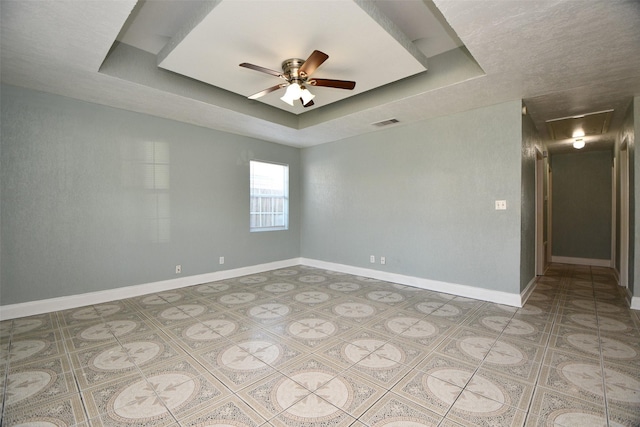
(564, 58)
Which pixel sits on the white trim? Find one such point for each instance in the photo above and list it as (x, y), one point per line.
(31, 308)
(634, 302)
(499, 297)
(581, 261)
(528, 290)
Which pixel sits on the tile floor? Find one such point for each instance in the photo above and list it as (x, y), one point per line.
(308, 347)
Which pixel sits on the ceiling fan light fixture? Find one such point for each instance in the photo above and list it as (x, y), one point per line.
(293, 93)
(578, 143)
(306, 95)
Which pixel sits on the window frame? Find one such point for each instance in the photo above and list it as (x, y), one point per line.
(284, 212)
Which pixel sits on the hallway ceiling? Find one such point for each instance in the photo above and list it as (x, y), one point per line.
(562, 58)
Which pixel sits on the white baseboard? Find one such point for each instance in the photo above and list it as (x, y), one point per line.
(31, 308)
(418, 282)
(634, 302)
(581, 261)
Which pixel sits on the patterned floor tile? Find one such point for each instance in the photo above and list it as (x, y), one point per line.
(64, 411)
(435, 394)
(248, 360)
(230, 411)
(270, 312)
(501, 388)
(335, 402)
(32, 324)
(515, 358)
(206, 331)
(311, 329)
(551, 407)
(395, 411)
(31, 347)
(305, 346)
(40, 381)
(480, 410)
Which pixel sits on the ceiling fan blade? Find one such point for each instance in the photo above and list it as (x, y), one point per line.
(338, 84)
(313, 61)
(263, 70)
(266, 91)
(308, 104)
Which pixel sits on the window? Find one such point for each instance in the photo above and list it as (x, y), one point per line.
(269, 207)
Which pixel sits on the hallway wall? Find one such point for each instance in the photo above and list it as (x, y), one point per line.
(581, 205)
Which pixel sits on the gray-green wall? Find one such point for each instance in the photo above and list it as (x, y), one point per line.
(581, 204)
(423, 196)
(96, 198)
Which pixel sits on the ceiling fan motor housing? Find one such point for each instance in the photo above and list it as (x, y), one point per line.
(291, 67)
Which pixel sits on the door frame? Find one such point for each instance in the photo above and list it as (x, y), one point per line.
(541, 259)
(624, 213)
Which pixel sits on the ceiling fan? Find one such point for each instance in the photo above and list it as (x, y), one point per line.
(297, 74)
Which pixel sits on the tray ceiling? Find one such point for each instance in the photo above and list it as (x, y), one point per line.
(209, 47)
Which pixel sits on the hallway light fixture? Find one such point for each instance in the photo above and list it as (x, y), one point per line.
(578, 143)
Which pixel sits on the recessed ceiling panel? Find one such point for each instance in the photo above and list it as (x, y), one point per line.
(580, 126)
(361, 47)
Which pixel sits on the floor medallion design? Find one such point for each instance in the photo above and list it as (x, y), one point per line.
(579, 419)
(429, 306)
(183, 312)
(145, 401)
(210, 329)
(212, 288)
(253, 280)
(269, 311)
(249, 355)
(312, 328)
(355, 310)
(279, 287)
(312, 297)
(344, 286)
(23, 385)
(108, 330)
(385, 296)
(92, 313)
(237, 298)
(127, 356)
(331, 394)
(24, 349)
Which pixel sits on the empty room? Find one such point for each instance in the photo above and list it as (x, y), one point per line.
(366, 213)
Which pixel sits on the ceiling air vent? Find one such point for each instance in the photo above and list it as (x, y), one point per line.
(386, 122)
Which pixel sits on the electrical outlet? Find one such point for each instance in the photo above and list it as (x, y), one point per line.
(501, 205)
(383, 260)
(372, 259)
(221, 260)
(178, 269)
